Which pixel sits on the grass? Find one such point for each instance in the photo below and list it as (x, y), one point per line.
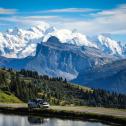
(7, 97)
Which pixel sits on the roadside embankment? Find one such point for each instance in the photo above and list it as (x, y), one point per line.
(106, 115)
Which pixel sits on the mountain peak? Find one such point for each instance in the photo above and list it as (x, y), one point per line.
(109, 44)
(53, 40)
(42, 27)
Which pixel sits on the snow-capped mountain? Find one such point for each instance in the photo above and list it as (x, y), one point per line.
(58, 59)
(108, 45)
(20, 43)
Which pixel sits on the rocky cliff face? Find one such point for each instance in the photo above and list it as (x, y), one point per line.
(58, 59)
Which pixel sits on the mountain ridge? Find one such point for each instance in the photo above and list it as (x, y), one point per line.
(20, 43)
(108, 76)
(58, 59)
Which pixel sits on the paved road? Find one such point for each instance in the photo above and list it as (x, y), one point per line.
(98, 110)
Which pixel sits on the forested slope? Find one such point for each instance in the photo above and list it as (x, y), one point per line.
(27, 84)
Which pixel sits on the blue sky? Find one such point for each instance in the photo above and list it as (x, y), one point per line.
(89, 17)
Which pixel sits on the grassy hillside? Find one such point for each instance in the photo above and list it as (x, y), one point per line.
(27, 84)
(6, 97)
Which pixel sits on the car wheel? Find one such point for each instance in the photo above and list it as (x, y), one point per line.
(38, 106)
(29, 106)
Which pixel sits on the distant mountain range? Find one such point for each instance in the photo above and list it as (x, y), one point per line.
(20, 43)
(84, 60)
(111, 76)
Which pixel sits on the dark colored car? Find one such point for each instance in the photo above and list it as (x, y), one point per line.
(38, 103)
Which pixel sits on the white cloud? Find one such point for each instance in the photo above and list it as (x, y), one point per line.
(28, 20)
(7, 11)
(107, 21)
(67, 10)
(39, 17)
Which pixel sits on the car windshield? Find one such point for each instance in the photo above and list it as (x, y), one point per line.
(40, 101)
(32, 100)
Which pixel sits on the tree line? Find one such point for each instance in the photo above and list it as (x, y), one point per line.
(26, 84)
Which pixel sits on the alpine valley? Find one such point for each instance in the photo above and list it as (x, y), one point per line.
(97, 61)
